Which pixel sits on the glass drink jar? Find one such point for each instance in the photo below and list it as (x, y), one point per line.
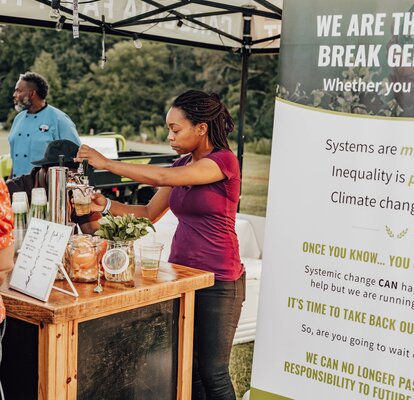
(83, 257)
(119, 261)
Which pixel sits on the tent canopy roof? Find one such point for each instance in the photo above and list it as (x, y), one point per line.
(200, 23)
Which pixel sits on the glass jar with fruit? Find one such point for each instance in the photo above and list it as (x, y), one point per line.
(83, 256)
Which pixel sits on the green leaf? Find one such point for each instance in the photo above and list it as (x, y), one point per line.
(126, 227)
(99, 232)
(104, 221)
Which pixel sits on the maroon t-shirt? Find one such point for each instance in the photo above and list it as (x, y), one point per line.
(205, 237)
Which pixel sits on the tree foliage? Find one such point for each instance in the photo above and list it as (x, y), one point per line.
(45, 65)
(132, 93)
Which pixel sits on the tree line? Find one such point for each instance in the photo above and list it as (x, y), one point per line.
(133, 91)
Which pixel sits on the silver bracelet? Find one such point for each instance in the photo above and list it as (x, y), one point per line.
(107, 207)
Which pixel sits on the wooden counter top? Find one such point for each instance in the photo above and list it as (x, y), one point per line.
(172, 281)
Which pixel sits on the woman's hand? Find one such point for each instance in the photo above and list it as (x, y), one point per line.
(98, 202)
(94, 158)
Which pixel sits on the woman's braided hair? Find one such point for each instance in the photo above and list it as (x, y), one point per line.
(199, 106)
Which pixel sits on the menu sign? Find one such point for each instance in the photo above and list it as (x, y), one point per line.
(41, 252)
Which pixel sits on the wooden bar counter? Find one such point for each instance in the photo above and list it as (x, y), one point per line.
(132, 341)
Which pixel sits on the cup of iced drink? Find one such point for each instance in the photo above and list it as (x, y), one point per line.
(82, 199)
(150, 253)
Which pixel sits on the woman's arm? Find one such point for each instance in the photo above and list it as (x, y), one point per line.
(154, 210)
(89, 227)
(201, 172)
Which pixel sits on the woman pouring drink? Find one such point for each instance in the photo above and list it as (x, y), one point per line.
(202, 189)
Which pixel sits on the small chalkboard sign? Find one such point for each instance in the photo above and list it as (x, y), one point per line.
(40, 255)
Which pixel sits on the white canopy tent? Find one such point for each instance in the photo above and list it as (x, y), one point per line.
(199, 23)
(240, 26)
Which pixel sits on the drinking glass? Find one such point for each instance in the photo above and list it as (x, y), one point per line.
(82, 199)
(150, 253)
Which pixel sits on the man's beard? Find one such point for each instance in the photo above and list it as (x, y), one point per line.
(22, 105)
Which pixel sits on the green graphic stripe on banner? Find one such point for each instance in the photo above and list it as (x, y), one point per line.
(322, 110)
(256, 394)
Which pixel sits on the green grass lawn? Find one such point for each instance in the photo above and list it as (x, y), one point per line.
(241, 367)
(255, 179)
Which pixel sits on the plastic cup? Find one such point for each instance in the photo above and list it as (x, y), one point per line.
(39, 196)
(21, 197)
(150, 258)
(18, 197)
(19, 207)
(82, 199)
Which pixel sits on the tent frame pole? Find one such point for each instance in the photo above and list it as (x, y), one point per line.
(245, 54)
(242, 111)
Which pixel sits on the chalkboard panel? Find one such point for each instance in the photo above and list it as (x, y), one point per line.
(131, 355)
(19, 364)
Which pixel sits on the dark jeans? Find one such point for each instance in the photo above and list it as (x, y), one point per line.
(217, 312)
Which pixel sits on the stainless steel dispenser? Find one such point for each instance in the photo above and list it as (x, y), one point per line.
(57, 195)
(62, 182)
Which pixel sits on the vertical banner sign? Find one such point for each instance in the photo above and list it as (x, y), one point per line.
(336, 313)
